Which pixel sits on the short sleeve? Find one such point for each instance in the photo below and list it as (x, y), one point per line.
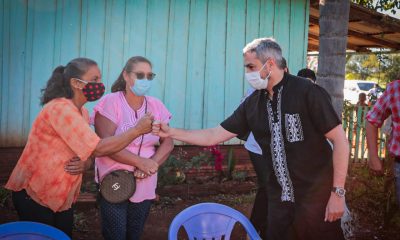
(159, 110)
(377, 115)
(108, 107)
(321, 111)
(237, 122)
(165, 115)
(72, 127)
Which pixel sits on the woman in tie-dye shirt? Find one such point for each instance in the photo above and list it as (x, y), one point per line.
(42, 190)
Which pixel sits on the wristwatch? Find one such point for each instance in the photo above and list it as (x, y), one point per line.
(339, 191)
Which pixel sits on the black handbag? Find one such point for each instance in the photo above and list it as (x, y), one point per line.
(119, 185)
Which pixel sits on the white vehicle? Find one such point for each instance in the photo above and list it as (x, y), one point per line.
(352, 88)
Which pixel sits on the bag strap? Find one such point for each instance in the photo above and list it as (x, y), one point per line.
(140, 146)
(141, 142)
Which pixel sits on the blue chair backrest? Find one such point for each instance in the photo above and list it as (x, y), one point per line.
(30, 231)
(210, 221)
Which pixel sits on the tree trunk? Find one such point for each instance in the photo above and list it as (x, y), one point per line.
(333, 26)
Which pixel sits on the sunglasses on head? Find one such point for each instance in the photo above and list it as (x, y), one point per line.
(142, 75)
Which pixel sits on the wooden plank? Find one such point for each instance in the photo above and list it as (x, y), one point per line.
(84, 9)
(282, 26)
(235, 40)
(176, 65)
(307, 28)
(18, 11)
(196, 58)
(363, 133)
(351, 127)
(5, 63)
(42, 50)
(71, 30)
(157, 42)
(135, 28)
(234, 71)
(379, 41)
(58, 34)
(252, 29)
(93, 31)
(215, 63)
(28, 72)
(358, 135)
(113, 61)
(298, 27)
(267, 18)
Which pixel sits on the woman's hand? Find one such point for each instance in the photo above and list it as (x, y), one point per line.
(75, 166)
(144, 126)
(147, 166)
(140, 174)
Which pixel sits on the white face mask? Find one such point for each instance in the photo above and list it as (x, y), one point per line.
(255, 80)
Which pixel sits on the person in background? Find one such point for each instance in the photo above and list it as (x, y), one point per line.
(362, 100)
(307, 73)
(388, 105)
(115, 114)
(44, 187)
(374, 93)
(360, 107)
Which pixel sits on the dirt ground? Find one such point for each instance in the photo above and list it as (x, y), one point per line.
(239, 195)
(164, 209)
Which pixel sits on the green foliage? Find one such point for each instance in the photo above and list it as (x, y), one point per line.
(231, 163)
(382, 5)
(239, 176)
(4, 195)
(377, 193)
(392, 69)
(173, 169)
(348, 109)
(380, 67)
(363, 67)
(81, 223)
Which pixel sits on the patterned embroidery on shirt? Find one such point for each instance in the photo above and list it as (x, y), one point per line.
(278, 151)
(294, 130)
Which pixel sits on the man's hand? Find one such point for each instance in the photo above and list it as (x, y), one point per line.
(147, 166)
(335, 208)
(375, 166)
(144, 125)
(161, 129)
(75, 166)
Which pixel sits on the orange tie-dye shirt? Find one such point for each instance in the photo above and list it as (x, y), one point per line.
(59, 133)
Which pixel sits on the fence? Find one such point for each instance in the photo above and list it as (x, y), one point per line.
(354, 126)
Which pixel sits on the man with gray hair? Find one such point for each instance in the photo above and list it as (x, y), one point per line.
(291, 119)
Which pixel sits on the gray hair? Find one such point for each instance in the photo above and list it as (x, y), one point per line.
(265, 48)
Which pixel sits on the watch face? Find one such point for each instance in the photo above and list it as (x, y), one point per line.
(341, 192)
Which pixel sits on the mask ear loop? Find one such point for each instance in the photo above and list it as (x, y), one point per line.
(269, 74)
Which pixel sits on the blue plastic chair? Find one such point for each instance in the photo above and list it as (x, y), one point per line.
(210, 221)
(30, 231)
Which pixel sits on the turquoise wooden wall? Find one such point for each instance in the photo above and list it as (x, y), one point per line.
(195, 47)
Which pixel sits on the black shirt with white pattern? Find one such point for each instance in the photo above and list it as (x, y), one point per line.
(290, 129)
